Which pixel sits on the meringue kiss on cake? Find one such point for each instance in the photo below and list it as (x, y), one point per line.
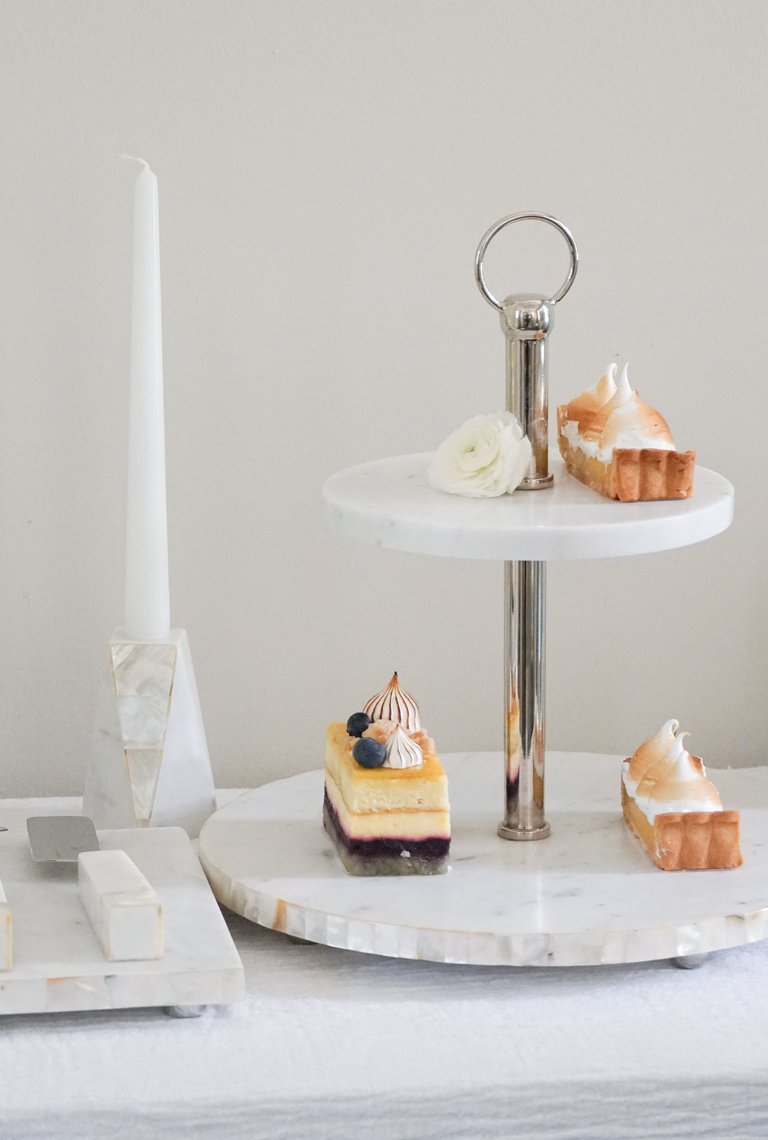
(674, 809)
(386, 793)
(620, 447)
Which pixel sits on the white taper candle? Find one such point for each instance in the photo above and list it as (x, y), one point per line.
(147, 598)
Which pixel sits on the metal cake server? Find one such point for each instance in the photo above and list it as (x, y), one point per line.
(61, 838)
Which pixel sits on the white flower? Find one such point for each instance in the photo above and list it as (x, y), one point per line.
(487, 456)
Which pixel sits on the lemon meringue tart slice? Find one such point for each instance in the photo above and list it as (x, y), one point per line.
(386, 805)
(674, 809)
(620, 447)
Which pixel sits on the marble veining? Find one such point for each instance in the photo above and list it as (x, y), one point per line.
(588, 895)
(389, 503)
(58, 962)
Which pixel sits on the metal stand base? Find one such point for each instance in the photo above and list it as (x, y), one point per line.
(507, 832)
(537, 484)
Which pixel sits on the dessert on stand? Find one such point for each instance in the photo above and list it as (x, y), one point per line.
(674, 809)
(385, 799)
(586, 893)
(619, 446)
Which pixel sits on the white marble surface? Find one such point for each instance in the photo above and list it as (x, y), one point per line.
(58, 961)
(389, 503)
(327, 1037)
(588, 895)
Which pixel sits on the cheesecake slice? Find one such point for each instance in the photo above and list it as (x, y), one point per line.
(392, 817)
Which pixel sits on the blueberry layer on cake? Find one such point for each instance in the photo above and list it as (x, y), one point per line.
(386, 803)
(674, 809)
(620, 447)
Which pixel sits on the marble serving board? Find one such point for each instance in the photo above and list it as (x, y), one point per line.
(588, 895)
(58, 963)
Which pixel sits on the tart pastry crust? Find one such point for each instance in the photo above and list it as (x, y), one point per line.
(631, 475)
(686, 841)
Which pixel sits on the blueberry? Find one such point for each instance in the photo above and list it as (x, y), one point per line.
(369, 753)
(357, 724)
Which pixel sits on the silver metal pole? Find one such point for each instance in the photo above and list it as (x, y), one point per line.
(526, 320)
(524, 675)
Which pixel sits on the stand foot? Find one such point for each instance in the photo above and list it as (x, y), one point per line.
(523, 833)
(185, 1010)
(690, 961)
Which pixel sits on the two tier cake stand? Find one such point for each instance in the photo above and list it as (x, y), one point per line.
(586, 893)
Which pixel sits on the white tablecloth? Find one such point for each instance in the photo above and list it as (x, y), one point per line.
(339, 1046)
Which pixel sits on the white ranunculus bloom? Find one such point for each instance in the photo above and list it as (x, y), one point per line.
(487, 456)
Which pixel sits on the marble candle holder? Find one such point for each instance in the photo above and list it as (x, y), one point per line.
(150, 765)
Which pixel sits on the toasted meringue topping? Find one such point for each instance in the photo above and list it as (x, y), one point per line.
(654, 751)
(612, 415)
(662, 776)
(394, 703)
(403, 751)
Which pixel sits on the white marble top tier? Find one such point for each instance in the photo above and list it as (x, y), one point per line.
(588, 895)
(389, 503)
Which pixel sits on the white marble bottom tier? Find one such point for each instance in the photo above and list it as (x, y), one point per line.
(58, 963)
(588, 895)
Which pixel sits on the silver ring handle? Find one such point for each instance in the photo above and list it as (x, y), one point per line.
(498, 226)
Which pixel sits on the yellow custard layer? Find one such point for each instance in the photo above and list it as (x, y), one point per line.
(414, 825)
(383, 789)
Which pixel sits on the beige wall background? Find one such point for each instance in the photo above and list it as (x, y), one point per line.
(326, 169)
